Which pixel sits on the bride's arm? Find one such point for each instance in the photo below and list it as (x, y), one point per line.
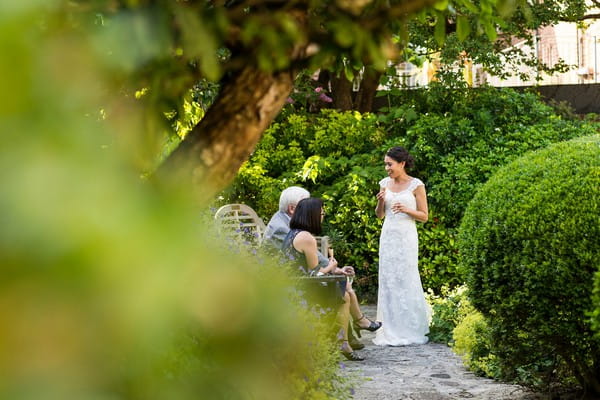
(380, 208)
(422, 212)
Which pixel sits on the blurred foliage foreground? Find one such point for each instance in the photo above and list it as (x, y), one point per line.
(111, 288)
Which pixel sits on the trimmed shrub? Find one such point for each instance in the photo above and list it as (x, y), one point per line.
(529, 245)
(596, 311)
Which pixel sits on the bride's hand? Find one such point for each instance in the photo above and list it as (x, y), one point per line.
(398, 208)
(381, 194)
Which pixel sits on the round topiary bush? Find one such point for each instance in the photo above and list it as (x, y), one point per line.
(529, 244)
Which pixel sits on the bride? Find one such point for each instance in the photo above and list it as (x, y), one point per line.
(401, 304)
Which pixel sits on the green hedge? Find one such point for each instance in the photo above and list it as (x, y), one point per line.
(529, 245)
(596, 311)
(469, 134)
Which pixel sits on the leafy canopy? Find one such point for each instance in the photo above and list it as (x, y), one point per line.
(171, 46)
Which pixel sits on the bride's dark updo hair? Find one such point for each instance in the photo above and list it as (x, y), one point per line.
(400, 154)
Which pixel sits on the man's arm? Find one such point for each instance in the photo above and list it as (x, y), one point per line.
(276, 231)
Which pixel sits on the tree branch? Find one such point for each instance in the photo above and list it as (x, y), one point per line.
(590, 16)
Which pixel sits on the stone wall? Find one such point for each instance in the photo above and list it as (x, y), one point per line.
(584, 98)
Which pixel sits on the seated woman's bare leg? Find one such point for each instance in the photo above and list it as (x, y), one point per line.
(357, 315)
(343, 318)
(360, 320)
(354, 306)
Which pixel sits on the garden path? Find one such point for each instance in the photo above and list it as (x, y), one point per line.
(422, 372)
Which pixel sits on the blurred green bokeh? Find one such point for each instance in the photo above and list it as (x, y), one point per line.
(112, 288)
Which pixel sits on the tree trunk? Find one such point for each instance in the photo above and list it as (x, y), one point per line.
(368, 89)
(341, 93)
(212, 153)
(324, 79)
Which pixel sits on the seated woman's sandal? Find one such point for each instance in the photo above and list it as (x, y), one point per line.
(373, 326)
(350, 355)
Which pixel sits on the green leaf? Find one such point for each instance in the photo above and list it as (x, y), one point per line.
(422, 16)
(376, 54)
(349, 72)
(490, 31)
(463, 27)
(205, 50)
(441, 5)
(403, 32)
(506, 8)
(440, 29)
(410, 115)
(470, 6)
(343, 32)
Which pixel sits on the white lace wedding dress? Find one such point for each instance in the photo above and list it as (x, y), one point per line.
(401, 304)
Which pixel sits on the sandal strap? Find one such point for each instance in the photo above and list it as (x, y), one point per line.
(352, 356)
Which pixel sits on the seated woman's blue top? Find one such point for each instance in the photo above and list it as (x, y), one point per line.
(296, 258)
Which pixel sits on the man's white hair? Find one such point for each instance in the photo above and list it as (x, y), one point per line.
(291, 196)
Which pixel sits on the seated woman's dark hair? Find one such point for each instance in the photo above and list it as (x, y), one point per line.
(307, 215)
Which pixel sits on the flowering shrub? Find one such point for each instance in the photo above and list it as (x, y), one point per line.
(308, 94)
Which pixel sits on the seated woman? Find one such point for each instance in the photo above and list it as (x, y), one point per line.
(302, 246)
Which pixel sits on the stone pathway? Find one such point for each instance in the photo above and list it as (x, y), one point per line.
(422, 372)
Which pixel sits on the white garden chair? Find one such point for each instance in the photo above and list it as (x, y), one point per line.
(240, 221)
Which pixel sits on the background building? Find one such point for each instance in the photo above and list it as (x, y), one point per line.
(577, 47)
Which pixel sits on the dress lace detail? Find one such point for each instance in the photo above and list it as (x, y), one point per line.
(401, 304)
